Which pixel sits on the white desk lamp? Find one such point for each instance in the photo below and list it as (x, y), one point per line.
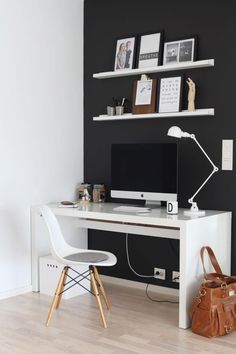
(176, 132)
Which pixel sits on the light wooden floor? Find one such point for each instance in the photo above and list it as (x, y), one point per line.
(135, 325)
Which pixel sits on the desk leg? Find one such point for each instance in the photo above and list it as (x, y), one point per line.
(214, 231)
(183, 316)
(40, 245)
(34, 215)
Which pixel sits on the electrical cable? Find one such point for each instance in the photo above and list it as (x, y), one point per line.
(129, 264)
(155, 300)
(143, 276)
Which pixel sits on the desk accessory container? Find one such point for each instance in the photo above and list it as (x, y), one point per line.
(99, 193)
(110, 111)
(119, 110)
(85, 193)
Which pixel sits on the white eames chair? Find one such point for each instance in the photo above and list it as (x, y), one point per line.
(72, 256)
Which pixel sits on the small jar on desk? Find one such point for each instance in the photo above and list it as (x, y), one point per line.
(99, 193)
(85, 193)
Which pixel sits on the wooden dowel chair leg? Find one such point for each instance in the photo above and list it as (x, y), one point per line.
(55, 298)
(103, 293)
(96, 293)
(62, 288)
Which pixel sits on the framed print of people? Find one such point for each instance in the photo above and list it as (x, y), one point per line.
(124, 56)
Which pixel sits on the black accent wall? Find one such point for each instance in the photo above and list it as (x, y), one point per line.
(213, 21)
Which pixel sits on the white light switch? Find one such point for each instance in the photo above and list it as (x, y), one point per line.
(227, 155)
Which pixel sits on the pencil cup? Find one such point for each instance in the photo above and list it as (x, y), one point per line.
(110, 111)
(119, 110)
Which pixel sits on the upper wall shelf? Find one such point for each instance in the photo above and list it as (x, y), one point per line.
(156, 69)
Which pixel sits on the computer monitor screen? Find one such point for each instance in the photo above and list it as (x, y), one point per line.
(144, 171)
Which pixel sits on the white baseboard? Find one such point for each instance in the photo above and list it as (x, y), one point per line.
(137, 285)
(15, 292)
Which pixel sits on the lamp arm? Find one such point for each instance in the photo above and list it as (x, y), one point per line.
(204, 152)
(215, 169)
(191, 199)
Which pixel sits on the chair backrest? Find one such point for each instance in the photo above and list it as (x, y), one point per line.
(58, 245)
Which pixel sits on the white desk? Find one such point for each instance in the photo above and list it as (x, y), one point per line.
(213, 229)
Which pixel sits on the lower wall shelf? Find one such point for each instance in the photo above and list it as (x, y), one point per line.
(127, 116)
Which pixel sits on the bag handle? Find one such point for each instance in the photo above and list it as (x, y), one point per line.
(217, 277)
(213, 260)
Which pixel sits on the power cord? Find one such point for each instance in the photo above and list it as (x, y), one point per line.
(142, 275)
(128, 260)
(155, 300)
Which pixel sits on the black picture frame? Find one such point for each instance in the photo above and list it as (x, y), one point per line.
(176, 107)
(179, 51)
(125, 52)
(146, 56)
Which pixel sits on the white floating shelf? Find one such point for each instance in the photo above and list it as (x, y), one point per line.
(156, 69)
(127, 116)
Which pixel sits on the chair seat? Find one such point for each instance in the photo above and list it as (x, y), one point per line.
(87, 257)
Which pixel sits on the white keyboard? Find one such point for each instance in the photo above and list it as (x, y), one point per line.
(132, 209)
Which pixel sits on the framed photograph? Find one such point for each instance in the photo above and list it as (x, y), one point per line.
(150, 50)
(179, 51)
(144, 96)
(125, 53)
(170, 98)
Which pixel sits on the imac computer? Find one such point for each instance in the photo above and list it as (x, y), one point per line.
(144, 171)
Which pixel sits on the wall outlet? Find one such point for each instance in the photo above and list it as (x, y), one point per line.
(159, 273)
(175, 277)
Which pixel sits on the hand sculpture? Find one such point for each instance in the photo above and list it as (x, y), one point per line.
(191, 95)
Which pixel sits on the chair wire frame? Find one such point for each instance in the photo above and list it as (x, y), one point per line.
(96, 287)
(78, 279)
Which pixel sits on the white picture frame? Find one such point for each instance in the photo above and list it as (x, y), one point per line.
(179, 51)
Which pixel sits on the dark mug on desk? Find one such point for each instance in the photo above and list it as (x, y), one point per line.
(172, 207)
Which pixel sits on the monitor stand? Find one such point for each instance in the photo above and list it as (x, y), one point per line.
(153, 204)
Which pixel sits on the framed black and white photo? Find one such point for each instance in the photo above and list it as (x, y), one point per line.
(170, 97)
(179, 51)
(150, 50)
(144, 96)
(125, 53)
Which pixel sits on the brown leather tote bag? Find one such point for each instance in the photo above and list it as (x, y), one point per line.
(213, 312)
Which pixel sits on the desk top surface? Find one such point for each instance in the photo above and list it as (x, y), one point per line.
(156, 216)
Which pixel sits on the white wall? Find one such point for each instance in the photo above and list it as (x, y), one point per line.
(41, 120)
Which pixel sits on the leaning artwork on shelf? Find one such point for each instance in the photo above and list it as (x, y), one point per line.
(125, 53)
(144, 96)
(170, 97)
(143, 93)
(179, 51)
(150, 50)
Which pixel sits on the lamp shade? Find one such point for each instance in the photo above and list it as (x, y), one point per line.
(174, 131)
